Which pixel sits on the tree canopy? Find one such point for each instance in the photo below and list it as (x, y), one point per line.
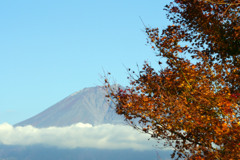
(193, 102)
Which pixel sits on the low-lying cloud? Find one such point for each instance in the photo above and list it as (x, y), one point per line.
(81, 135)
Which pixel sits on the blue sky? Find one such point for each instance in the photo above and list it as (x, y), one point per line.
(50, 49)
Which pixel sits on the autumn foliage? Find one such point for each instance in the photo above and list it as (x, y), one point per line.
(194, 101)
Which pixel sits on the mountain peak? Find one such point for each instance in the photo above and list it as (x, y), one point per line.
(88, 105)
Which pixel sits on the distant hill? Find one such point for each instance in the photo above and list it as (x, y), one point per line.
(87, 106)
(40, 152)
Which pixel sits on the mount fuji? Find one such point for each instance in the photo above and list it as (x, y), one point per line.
(88, 105)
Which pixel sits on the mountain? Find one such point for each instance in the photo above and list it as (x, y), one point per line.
(87, 106)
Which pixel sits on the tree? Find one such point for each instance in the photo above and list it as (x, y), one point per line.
(194, 102)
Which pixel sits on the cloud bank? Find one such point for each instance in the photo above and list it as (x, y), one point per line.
(81, 135)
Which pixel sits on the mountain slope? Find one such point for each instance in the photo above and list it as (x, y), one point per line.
(87, 106)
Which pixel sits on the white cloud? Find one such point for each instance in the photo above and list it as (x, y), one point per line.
(105, 136)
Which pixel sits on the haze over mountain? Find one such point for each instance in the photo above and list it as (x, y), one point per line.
(86, 106)
(40, 152)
